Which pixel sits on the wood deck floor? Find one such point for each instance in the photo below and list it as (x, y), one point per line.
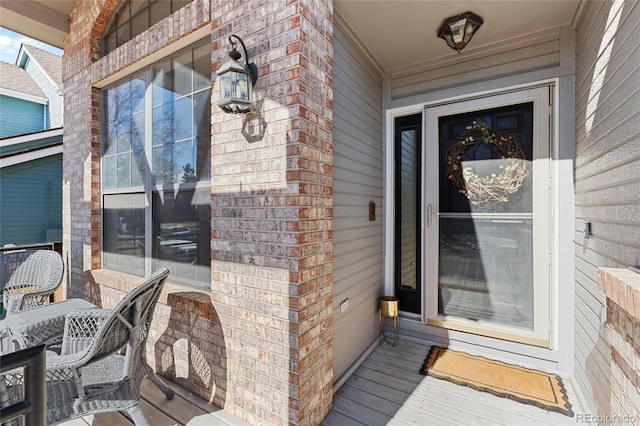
(386, 389)
(184, 409)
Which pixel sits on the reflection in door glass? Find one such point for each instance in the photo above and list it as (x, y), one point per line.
(485, 267)
(486, 271)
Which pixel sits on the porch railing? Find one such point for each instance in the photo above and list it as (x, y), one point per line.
(56, 246)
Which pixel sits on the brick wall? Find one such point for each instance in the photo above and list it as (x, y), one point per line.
(272, 215)
(260, 345)
(622, 333)
(185, 343)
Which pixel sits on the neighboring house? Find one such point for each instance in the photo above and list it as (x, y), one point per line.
(342, 187)
(31, 117)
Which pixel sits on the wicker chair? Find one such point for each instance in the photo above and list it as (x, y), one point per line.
(28, 278)
(101, 365)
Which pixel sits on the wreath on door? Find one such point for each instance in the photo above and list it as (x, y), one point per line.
(506, 180)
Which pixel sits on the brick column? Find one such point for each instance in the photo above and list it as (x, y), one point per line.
(272, 214)
(81, 203)
(622, 333)
(81, 172)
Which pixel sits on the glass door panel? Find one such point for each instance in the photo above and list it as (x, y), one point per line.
(408, 196)
(485, 270)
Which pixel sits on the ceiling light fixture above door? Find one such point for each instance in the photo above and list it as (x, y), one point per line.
(458, 30)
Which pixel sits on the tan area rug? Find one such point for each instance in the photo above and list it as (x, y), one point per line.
(509, 381)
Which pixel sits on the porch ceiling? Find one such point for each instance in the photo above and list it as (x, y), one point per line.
(399, 33)
(396, 33)
(44, 20)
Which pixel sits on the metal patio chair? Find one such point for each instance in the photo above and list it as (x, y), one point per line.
(101, 364)
(28, 278)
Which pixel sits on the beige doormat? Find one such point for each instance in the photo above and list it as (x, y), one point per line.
(509, 381)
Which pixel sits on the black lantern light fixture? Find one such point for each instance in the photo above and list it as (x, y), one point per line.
(236, 81)
(458, 30)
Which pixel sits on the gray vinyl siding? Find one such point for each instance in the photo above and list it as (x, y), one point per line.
(19, 116)
(30, 200)
(51, 91)
(357, 174)
(607, 174)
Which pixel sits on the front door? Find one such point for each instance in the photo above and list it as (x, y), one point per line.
(485, 216)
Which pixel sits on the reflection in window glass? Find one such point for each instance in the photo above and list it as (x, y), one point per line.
(123, 158)
(123, 223)
(175, 154)
(137, 5)
(182, 71)
(180, 116)
(161, 9)
(135, 17)
(182, 120)
(139, 23)
(123, 32)
(202, 67)
(181, 233)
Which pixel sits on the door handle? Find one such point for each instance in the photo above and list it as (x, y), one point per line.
(430, 214)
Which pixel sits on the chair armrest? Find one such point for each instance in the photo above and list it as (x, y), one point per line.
(80, 328)
(63, 362)
(24, 296)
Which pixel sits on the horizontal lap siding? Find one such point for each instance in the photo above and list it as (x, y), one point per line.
(357, 178)
(19, 116)
(607, 173)
(30, 200)
(52, 93)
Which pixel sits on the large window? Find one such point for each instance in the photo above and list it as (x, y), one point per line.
(156, 169)
(135, 17)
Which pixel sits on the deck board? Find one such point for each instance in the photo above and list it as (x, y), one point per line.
(185, 409)
(390, 378)
(386, 389)
(179, 409)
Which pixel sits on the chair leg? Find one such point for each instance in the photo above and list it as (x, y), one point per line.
(137, 416)
(169, 393)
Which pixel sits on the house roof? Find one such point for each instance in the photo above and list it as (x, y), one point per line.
(50, 63)
(16, 79)
(31, 146)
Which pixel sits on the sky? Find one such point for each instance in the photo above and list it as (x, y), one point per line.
(10, 45)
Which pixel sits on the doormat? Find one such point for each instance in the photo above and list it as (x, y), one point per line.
(509, 381)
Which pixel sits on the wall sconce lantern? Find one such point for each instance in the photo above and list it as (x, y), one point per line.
(458, 30)
(236, 80)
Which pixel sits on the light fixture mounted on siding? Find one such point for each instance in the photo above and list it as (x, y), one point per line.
(236, 81)
(458, 30)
